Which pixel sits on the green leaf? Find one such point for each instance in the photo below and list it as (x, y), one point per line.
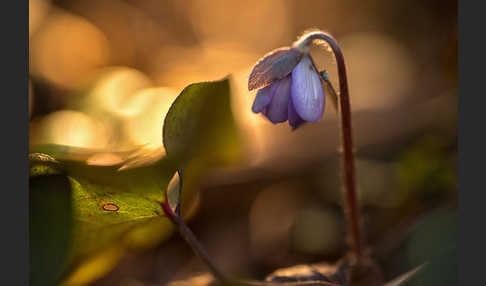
(118, 206)
(200, 123)
(200, 131)
(50, 223)
(435, 241)
(109, 203)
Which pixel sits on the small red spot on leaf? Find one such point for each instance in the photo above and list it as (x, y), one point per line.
(110, 207)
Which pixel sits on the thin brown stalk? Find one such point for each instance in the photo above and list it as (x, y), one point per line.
(349, 175)
(195, 245)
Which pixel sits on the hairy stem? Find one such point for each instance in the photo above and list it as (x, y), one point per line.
(349, 176)
(195, 245)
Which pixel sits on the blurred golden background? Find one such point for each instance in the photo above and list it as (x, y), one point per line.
(103, 74)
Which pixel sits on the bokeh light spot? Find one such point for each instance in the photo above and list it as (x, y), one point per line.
(66, 48)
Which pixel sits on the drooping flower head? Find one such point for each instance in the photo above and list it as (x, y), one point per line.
(289, 85)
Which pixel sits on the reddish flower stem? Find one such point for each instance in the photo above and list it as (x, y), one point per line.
(349, 176)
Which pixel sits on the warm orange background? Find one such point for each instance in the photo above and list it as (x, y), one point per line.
(103, 73)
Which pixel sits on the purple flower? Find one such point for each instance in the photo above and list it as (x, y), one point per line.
(290, 87)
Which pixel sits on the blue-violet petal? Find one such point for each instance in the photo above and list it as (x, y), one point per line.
(277, 110)
(274, 65)
(294, 119)
(262, 99)
(307, 91)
